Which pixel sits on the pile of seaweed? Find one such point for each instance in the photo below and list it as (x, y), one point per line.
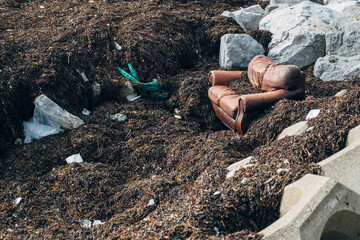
(155, 175)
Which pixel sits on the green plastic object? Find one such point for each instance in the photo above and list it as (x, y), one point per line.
(151, 89)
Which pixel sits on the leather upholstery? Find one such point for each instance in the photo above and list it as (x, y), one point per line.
(218, 77)
(230, 104)
(276, 81)
(215, 93)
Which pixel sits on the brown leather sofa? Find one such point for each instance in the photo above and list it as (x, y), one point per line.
(276, 82)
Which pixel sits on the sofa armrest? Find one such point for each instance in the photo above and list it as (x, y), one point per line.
(260, 101)
(218, 77)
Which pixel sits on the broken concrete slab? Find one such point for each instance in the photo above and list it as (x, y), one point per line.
(236, 166)
(296, 129)
(56, 114)
(344, 167)
(316, 207)
(353, 136)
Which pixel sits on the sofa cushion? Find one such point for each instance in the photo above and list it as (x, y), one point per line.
(230, 104)
(257, 68)
(215, 93)
(281, 77)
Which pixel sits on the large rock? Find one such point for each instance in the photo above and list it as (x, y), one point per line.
(56, 114)
(298, 32)
(294, 130)
(237, 50)
(272, 7)
(332, 67)
(344, 39)
(316, 207)
(249, 18)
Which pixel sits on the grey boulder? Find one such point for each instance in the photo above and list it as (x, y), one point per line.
(298, 32)
(249, 18)
(332, 67)
(237, 50)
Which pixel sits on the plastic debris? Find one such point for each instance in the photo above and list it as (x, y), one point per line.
(98, 222)
(119, 116)
(117, 46)
(83, 76)
(177, 116)
(132, 97)
(42, 7)
(216, 193)
(151, 89)
(39, 126)
(74, 158)
(312, 114)
(17, 200)
(151, 202)
(86, 112)
(85, 223)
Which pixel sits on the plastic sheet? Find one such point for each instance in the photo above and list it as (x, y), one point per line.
(39, 126)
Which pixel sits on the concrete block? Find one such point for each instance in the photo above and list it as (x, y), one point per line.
(353, 136)
(344, 167)
(296, 129)
(317, 207)
(56, 114)
(236, 166)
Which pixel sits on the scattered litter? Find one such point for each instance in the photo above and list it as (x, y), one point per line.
(153, 176)
(17, 200)
(117, 46)
(217, 231)
(18, 141)
(83, 76)
(177, 116)
(151, 202)
(74, 158)
(119, 117)
(176, 111)
(39, 126)
(132, 97)
(151, 89)
(280, 170)
(86, 112)
(216, 193)
(341, 93)
(98, 222)
(85, 223)
(10, 230)
(42, 7)
(244, 180)
(313, 114)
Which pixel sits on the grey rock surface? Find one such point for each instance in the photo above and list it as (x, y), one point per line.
(237, 50)
(272, 7)
(332, 67)
(249, 18)
(294, 130)
(298, 32)
(344, 40)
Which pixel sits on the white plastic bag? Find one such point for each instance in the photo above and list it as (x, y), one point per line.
(39, 126)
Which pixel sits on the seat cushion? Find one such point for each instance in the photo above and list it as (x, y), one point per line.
(215, 93)
(230, 104)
